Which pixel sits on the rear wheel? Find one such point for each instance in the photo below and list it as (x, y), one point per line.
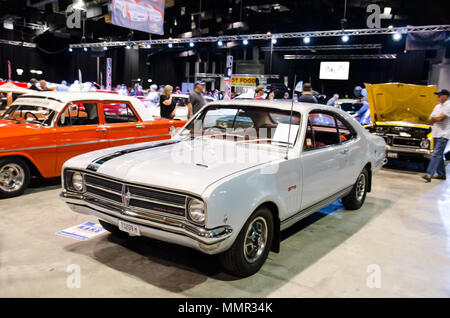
(14, 177)
(355, 199)
(249, 252)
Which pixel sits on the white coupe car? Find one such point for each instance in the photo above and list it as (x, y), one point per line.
(231, 180)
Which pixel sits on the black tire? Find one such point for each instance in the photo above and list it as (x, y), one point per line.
(355, 199)
(113, 229)
(18, 166)
(235, 260)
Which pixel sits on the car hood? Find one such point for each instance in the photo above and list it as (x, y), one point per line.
(401, 102)
(9, 128)
(189, 166)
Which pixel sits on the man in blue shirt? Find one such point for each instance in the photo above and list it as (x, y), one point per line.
(363, 114)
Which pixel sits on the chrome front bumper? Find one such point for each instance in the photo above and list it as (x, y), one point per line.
(412, 151)
(155, 226)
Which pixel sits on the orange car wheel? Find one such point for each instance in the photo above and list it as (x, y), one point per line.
(14, 177)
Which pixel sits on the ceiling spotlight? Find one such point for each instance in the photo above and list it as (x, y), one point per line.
(105, 48)
(345, 38)
(85, 49)
(191, 44)
(170, 45)
(245, 42)
(128, 47)
(274, 41)
(397, 36)
(306, 40)
(219, 43)
(39, 72)
(19, 71)
(70, 49)
(390, 27)
(148, 45)
(149, 80)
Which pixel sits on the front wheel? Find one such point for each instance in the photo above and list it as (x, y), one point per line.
(14, 177)
(355, 199)
(249, 252)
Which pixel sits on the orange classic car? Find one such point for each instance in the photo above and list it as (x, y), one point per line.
(42, 130)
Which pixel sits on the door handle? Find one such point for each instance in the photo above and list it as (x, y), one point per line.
(101, 129)
(140, 126)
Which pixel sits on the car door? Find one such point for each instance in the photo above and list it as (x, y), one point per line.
(352, 152)
(122, 124)
(323, 159)
(78, 130)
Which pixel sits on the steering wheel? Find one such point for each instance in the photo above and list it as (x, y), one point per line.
(32, 115)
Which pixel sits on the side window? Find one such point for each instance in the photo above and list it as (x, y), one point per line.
(345, 132)
(118, 113)
(79, 114)
(324, 130)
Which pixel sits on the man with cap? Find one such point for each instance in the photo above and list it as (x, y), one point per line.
(196, 100)
(33, 84)
(440, 118)
(259, 92)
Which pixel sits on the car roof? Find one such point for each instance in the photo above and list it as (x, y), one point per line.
(278, 104)
(57, 100)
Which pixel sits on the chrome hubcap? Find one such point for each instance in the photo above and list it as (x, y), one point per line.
(361, 187)
(255, 240)
(12, 177)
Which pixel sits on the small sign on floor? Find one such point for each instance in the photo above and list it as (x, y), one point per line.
(83, 231)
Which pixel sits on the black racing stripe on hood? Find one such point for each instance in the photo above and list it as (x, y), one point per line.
(95, 165)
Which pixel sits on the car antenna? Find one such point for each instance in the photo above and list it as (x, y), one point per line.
(290, 120)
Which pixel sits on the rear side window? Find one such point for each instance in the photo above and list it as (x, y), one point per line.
(79, 114)
(324, 130)
(119, 113)
(346, 133)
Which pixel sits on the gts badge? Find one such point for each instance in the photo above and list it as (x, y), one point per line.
(292, 188)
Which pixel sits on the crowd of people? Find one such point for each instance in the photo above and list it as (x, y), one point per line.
(161, 95)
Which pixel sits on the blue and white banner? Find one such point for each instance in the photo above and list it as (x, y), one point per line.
(141, 15)
(83, 231)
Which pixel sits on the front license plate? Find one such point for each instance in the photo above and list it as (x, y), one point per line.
(130, 228)
(392, 155)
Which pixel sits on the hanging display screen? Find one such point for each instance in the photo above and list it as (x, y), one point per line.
(334, 70)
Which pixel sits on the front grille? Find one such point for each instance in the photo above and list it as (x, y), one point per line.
(406, 142)
(134, 198)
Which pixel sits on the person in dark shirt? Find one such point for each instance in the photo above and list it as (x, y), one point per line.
(196, 100)
(167, 104)
(33, 86)
(307, 96)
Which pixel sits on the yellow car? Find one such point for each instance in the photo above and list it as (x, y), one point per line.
(399, 114)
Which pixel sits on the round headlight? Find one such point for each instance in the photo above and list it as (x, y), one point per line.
(196, 210)
(425, 143)
(77, 181)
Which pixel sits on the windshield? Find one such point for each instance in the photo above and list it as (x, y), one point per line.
(245, 124)
(36, 115)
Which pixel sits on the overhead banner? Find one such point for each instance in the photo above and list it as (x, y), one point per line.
(142, 15)
(244, 81)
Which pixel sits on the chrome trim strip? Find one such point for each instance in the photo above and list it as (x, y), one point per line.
(314, 208)
(139, 198)
(102, 189)
(419, 151)
(84, 143)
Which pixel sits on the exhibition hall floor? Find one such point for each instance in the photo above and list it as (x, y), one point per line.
(397, 245)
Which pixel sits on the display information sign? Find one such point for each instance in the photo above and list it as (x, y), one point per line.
(244, 81)
(142, 15)
(83, 231)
